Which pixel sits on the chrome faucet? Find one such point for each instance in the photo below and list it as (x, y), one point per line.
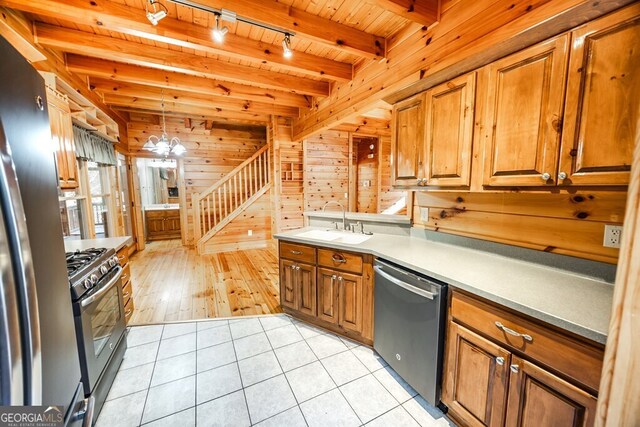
(344, 214)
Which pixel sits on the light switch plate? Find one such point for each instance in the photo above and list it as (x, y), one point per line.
(612, 236)
(424, 214)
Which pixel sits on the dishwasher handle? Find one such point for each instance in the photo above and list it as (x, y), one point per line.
(405, 285)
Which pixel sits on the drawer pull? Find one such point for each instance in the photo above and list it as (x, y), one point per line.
(338, 258)
(120, 257)
(515, 369)
(296, 252)
(500, 360)
(125, 277)
(126, 295)
(510, 331)
(128, 313)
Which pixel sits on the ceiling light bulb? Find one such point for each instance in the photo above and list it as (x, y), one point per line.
(286, 46)
(149, 145)
(178, 149)
(219, 33)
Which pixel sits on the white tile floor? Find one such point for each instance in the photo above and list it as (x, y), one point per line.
(268, 371)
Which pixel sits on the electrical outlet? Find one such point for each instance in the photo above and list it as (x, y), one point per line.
(424, 214)
(612, 236)
(249, 232)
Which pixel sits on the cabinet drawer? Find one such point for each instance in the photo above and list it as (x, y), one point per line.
(298, 252)
(126, 275)
(339, 260)
(573, 358)
(127, 292)
(128, 310)
(123, 256)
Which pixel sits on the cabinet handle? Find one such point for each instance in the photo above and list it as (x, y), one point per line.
(515, 369)
(120, 257)
(510, 331)
(500, 360)
(128, 313)
(562, 176)
(338, 258)
(293, 267)
(545, 176)
(339, 278)
(124, 277)
(297, 268)
(296, 252)
(125, 295)
(424, 181)
(419, 182)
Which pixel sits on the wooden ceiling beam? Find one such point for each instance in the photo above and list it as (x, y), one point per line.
(109, 88)
(306, 25)
(106, 47)
(132, 21)
(219, 119)
(425, 12)
(120, 72)
(174, 109)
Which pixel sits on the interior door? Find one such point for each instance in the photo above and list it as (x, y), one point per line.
(540, 399)
(523, 115)
(449, 131)
(350, 302)
(328, 295)
(475, 375)
(604, 78)
(408, 139)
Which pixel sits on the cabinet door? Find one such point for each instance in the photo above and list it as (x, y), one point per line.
(525, 94)
(287, 284)
(449, 131)
(62, 139)
(350, 302)
(475, 378)
(306, 289)
(408, 141)
(604, 79)
(540, 399)
(328, 295)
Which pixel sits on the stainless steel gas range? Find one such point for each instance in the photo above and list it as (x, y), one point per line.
(98, 308)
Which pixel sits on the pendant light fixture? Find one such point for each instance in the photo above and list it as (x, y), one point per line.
(162, 145)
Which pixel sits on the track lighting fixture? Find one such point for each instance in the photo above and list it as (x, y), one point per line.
(286, 46)
(155, 11)
(219, 33)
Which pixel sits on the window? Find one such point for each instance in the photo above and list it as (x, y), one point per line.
(100, 191)
(125, 200)
(73, 216)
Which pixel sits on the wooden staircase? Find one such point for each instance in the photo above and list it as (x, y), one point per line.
(225, 200)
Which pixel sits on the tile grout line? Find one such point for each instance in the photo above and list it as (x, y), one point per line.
(284, 374)
(152, 371)
(246, 404)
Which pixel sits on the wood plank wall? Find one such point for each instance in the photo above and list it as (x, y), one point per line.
(212, 152)
(326, 170)
(288, 189)
(570, 224)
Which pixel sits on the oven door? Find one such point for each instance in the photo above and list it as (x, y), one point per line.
(100, 325)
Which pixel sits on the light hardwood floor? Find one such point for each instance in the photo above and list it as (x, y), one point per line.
(172, 282)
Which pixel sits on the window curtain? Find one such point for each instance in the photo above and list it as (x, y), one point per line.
(93, 148)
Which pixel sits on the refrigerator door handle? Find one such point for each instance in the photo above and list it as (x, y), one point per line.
(86, 413)
(18, 238)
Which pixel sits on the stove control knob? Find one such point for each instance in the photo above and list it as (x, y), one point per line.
(93, 278)
(115, 260)
(87, 283)
(111, 262)
(104, 269)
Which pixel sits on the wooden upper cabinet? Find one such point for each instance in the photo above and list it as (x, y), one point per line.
(449, 111)
(475, 377)
(603, 81)
(539, 398)
(525, 93)
(62, 139)
(408, 141)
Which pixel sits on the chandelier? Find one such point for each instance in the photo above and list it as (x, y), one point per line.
(164, 146)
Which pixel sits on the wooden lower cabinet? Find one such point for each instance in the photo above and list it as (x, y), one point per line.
(127, 287)
(487, 383)
(336, 292)
(475, 376)
(163, 224)
(539, 398)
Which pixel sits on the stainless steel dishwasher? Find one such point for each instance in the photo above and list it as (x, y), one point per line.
(409, 326)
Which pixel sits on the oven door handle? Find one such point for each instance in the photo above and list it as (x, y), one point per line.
(88, 300)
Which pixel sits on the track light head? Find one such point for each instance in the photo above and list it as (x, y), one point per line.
(286, 46)
(155, 11)
(218, 32)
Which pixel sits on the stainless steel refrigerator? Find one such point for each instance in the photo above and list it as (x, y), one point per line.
(38, 353)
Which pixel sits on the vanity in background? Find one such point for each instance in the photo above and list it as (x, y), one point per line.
(162, 221)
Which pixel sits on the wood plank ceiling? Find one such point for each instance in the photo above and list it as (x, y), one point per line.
(133, 65)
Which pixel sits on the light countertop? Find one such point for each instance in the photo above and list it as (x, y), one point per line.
(160, 207)
(116, 243)
(570, 301)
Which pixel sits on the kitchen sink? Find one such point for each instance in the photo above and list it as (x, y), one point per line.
(335, 236)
